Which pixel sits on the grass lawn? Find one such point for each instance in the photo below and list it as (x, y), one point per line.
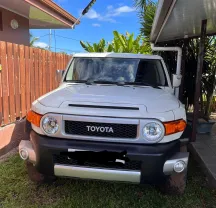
(17, 191)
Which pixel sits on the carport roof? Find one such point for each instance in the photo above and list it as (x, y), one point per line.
(178, 19)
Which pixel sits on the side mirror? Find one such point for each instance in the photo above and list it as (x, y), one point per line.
(59, 75)
(176, 80)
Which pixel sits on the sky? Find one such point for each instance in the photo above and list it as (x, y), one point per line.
(100, 22)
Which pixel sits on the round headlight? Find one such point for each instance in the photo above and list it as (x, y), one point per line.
(153, 132)
(50, 125)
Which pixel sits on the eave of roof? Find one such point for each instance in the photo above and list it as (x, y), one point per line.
(53, 10)
(180, 19)
(55, 7)
(160, 16)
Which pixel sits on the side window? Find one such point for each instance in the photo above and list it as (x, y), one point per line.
(69, 75)
(151, 72)
(161, 74)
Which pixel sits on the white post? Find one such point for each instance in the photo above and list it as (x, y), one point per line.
(50, 39)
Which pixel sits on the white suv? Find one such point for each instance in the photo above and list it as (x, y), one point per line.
(114, 117)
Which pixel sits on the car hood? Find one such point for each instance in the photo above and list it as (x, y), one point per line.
(155, 100)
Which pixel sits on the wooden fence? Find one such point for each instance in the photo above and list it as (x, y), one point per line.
(26, 73)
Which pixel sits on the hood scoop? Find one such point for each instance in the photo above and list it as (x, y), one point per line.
(103, 107)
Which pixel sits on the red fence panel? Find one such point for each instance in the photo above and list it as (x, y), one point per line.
(5, 91)
(17, 80)
(32, 74)
(43, 70)
(1, 102)
(28, 83)
(22, 80)
(26, 73)
(50, 71)
(11, 81)
(36, 71)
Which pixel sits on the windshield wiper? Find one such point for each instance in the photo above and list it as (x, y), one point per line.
(103, 82)
(142, 84)
(120, 83)
(76, 81)
(88, 82)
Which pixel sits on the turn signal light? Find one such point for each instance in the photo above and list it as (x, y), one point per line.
(34, 118)
(174, 126)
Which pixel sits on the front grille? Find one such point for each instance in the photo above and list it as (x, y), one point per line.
(84, 129)
(64, 160)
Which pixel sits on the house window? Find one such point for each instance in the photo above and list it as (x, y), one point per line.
(1, 22)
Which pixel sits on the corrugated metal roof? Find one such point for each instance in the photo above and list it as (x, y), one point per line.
(184, 19)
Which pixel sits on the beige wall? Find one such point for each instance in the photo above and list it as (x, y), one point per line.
(20, 35)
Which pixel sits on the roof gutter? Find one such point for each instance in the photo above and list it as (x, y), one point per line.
(60, 10)
(156, 18)
(165, 21)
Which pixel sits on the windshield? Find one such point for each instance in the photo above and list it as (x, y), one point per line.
(114, 70)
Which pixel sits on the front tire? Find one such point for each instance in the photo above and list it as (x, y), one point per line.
(37, 177)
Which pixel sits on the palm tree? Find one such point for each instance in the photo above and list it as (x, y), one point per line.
(33, 40)
(146, 12)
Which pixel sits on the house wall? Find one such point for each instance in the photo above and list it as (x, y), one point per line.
(8, 34)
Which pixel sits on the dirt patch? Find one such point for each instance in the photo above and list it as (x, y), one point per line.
(6, 156)
(11, 136)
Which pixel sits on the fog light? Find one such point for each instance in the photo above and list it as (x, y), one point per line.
(24, 154)
(179, 166)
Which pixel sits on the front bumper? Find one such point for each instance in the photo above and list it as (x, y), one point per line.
(146, 163)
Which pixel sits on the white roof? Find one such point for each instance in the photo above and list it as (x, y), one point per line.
(178, 19)
(117, 55)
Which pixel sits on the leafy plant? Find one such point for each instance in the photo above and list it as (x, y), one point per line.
(102, 46)
(146, 12)
(120, 44)
(208, 77)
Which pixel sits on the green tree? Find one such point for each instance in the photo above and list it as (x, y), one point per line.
(120, 44)
(208, 76)
(146, 12)
(33, 40)
(102, 46)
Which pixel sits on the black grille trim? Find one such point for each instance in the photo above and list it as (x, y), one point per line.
(105, 107)
(119, 130)
(64, 160)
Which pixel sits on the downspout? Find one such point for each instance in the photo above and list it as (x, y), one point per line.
(179, 60)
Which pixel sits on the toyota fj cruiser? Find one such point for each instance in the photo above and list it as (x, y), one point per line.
(114, 117)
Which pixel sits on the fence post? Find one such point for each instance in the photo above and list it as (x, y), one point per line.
(11, 81)
(5, 92)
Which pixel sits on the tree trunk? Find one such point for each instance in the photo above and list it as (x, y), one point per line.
(201, 102)
(208, 105)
